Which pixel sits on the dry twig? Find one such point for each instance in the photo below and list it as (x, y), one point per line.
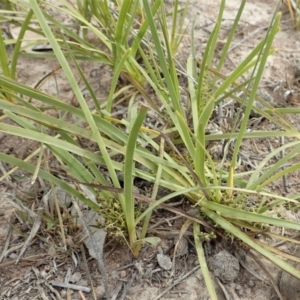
(88, 273)
(179, 280)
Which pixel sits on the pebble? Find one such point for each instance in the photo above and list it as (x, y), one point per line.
(251, 283)
(63, 293)
(164, 261)
(123, 274)
(100, 291)
(239, 290)
(182, 247)
(76, 277)
(13, 256)
(82, 282)
(224, 266)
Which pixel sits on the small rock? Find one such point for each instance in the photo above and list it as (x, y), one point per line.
(43, 273)
(225, 266)
(63, 294)
(59, 278)
(164, 261)
(123, 274)
(82, 282)
(75, 277)
(182, 247)
(100, 291)
(240, 292)
(70, 242)
(13, 256)
(114, 274)
(251, 283)
(51, 251)
(165, 275)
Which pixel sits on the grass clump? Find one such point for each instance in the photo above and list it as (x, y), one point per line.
(162, 138)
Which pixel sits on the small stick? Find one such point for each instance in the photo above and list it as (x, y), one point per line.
(7, 241)
(245, 266)
(54, 291)
(70, 286)
(280, 243)
(87, 270)
(81, 295)
(224, 290)
(179, 280)
(128, 286)
(117, 291)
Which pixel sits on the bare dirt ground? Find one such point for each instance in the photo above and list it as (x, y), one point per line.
(144, 278)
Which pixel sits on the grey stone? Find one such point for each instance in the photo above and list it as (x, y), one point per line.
(224, 266)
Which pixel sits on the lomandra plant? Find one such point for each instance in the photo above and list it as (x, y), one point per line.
(140, 48)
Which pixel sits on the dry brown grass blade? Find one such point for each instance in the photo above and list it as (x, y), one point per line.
(183, 230)
(88, 273)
